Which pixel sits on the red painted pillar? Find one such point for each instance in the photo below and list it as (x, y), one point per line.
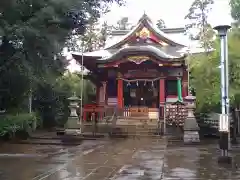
(162, 91)
(120, 93)
(161, 97)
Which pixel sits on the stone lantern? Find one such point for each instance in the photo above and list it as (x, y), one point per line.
(191, 128)
(73, 125)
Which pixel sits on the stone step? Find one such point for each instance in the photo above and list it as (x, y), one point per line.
(134, 130)
(128, 134)
(137, 120)
(135, 117)
(131, 123)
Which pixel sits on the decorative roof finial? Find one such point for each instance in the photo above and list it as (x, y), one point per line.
(145, 17)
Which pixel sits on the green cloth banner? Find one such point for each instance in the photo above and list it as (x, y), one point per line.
(179, 89)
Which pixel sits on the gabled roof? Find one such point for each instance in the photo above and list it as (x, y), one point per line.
(144, 22)
(158, 43)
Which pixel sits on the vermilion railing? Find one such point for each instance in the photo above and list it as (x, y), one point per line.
(93, 111)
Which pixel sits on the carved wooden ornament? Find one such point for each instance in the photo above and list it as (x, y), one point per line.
(138, 59)
(144, 33)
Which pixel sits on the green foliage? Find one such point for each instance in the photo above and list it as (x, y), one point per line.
(205, 80)
(10, 124)
(235, 10)
(52, 103)
(197, 17)
(205, 75)
(198, 13)
(94, 38)
(72, 83)
(33, 34)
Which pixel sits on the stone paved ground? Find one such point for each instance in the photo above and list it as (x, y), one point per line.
(199, 162)
(126, 159)
(93, 160)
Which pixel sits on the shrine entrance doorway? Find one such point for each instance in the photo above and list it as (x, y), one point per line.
(141, 94)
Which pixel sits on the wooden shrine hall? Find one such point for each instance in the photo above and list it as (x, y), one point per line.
(138, 71)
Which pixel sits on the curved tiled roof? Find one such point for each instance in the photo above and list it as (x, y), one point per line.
(144, 21)
(174, 50)
(146, 49)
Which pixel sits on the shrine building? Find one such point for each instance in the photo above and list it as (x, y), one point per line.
(139, 70)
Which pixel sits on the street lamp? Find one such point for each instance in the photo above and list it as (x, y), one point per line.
(224, 124)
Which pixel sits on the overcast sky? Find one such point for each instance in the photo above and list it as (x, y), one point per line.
(171, 11)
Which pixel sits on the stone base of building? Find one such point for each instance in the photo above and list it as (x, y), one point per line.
(191, 137)
(73, 132)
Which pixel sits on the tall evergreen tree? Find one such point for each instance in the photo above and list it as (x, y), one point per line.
(198, 20)
(33, 35)
(94, 38)
(235, 10)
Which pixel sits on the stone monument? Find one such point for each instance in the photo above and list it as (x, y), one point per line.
(73, 125)
(191, 128)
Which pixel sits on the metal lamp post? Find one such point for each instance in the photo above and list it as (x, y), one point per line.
(224, 124)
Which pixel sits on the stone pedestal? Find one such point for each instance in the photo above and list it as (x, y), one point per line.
(191, 128)
(73, 126)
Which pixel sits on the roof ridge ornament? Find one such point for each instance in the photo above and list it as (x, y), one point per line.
(145, 17)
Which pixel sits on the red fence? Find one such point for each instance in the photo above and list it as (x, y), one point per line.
(93, 111)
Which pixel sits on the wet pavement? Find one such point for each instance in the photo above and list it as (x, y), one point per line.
(119, 159)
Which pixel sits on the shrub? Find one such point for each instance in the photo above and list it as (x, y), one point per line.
(11, 123)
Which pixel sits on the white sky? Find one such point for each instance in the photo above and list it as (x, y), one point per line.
(171, 11)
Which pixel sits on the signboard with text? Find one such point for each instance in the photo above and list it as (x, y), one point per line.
(223, 123)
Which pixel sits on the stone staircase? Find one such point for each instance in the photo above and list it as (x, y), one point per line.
(136, 127)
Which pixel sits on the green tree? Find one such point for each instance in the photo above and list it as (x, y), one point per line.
(205, 74)
(105, 30)
(51, 101)
(33, 36)
(198, 20)
(235, 10)
(94, 38)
